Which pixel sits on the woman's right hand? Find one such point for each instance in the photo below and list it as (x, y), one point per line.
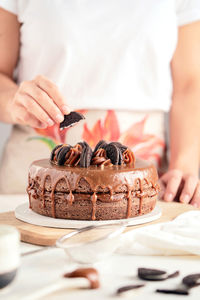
(38, 103)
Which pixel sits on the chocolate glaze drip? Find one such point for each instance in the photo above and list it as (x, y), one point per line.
(94, 200)
(141, 196)
(43, 189)
(90, 273)
(100, 159)
(143, 172)
(129, 203)
(28, 189)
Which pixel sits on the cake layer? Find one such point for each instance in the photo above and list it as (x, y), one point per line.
(97, 193)
(82, 207)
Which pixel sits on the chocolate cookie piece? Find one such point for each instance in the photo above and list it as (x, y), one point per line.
(191, 280)
(152, 274)
(86, 155)
(120, 146)
(173, 291)
(127, 288)
(100, 144)
(72, 118)
(112, 152)
(53, 152)
(61, 155)
(173, 275)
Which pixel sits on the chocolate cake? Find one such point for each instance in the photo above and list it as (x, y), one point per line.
(105, 184)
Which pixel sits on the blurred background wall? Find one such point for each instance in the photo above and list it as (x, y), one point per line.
(4, 134)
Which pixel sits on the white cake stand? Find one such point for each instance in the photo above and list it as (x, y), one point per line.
(24, 213)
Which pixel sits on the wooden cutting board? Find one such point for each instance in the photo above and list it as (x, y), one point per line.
(46, 236)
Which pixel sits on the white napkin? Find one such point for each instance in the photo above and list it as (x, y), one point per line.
(178, 237)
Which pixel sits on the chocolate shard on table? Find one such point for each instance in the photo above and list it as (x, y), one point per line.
(127, 288)
(78, 183)
(173, 291)
(191, 280)
(155, 274)
(72, 118)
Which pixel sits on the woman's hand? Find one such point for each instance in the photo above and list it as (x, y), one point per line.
(38, 103)
(175, 185)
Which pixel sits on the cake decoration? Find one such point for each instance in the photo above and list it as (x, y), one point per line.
(66, 155)
(104, 154)
(100, 159)
(86, 155)
(72, 118)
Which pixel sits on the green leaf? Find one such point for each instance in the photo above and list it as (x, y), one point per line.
(49, 142)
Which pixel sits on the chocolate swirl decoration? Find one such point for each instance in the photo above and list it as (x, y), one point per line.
(66, 155)
(105, 154)
(113, 153)
(100, 159)
(128, 157)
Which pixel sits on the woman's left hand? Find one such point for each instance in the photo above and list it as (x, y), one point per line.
(186, 187)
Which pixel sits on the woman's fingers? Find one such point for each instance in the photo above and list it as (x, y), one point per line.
(172, 180)
(190, 193)
(44, 101)
(190, 184)
(162, 189)
(52, 90)
(196, 197)
(33, 108)
(25, 118)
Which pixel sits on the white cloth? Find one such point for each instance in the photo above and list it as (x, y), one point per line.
(103, 54)
(178, 237)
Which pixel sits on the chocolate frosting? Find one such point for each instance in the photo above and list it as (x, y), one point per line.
(100, 158)
(105, 154)
(90, 273)
(66, 155)
(110, 176)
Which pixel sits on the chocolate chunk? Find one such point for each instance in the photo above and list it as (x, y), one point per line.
(152, 274)
(173, 291)
(112, 152)
(53, 152)
(191, 280)
(129, 287)
(72, 118)
(86, 155)
(100, 144)
(173, 275)
(62, 154)
(120, 158)
(120, 146)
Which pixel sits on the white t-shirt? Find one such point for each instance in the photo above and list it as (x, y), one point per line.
(103, 54)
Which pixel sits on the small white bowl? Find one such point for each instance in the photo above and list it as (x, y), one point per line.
(91, 244)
